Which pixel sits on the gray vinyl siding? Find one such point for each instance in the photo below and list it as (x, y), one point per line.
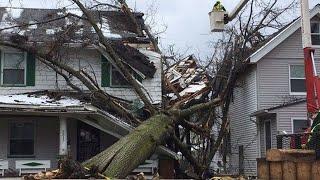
(285, 115)
(46, 139)
(273, 71)
(274, 87)
(267, 87)
(242, 127)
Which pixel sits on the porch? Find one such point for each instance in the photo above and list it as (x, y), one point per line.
(42, 129)
(47, 138)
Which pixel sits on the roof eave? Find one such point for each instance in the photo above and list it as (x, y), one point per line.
(274, 42)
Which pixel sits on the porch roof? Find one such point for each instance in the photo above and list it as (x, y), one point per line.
(266, 111)
(70, 108)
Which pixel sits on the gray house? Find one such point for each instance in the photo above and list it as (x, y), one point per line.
(36, 128)
(270, 96)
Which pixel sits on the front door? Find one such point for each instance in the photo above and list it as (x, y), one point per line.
(268, 135)
(88, 141)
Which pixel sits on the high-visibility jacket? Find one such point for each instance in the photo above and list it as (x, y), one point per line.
(218, 7)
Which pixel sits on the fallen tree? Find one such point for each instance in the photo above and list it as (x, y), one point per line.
(132, 150)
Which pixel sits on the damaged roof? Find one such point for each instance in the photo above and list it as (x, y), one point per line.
(115, 25)
(189, 79)
(135, 58)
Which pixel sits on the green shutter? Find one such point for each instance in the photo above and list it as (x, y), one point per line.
(105, 72)
(31, 70)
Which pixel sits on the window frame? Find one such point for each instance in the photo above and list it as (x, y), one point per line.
(298, 119)
(116, 86)
(317, 22)
(9, 155)
(2, 68)
(295, 93)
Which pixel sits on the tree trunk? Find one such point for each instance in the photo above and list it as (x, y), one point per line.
(130, 151)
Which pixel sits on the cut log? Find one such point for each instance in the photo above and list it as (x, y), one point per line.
(293, 155)
(316, 170)
(289, 170)
(276, 170)
(304, 170)
(263, 169)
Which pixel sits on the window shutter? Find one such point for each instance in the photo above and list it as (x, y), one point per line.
(31, 70)
(105, 72)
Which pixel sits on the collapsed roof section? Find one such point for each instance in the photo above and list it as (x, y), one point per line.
(188, 79)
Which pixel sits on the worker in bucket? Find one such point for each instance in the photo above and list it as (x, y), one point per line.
(218, 6)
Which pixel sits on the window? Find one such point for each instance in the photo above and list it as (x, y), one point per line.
(299, 125)
(117, 80)
(315, 33)
(13, 68)
(111, 77)
(297, 79)
(21, 139)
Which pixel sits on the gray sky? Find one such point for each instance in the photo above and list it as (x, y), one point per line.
(187, 20)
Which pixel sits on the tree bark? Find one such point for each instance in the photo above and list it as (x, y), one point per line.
(130, 151)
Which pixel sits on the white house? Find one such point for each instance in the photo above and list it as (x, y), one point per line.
(40, 127)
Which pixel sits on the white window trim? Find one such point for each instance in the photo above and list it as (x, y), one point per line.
(295, 93)
(25, 68)
(265, 134)
(9, 137)
(299, 119)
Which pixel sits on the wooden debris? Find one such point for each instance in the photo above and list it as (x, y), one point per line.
(68, 169)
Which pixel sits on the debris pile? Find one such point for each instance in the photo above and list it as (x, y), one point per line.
(186, 81)
(40, 100)
(68, 169)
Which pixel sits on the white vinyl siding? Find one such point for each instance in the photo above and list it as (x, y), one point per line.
(88, 60)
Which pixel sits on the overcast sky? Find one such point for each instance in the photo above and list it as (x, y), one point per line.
(187, 20)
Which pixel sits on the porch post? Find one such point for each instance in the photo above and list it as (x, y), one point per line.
(63, 146)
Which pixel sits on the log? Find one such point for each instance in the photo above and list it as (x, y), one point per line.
(289, 170)
(132, 150)
(304, 170)
(316, 170)
(276, 170)
(263, 169)
(293, 155)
